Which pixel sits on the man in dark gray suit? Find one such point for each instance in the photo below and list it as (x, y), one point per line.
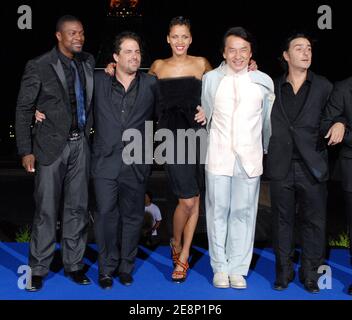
(59, 84)
(124, 101)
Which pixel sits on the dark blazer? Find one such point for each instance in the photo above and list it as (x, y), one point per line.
(304, 132)
(107, 143)
(339, 109)
(44, 88)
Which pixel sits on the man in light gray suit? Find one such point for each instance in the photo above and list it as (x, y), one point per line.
(237, 103)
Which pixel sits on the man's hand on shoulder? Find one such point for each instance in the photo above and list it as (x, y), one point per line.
(252, 65)
(110, 69)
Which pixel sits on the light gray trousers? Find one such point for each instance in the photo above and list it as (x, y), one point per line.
(231, 211)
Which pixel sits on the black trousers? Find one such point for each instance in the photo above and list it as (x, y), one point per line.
(118, 221)
(348, 210)
(67, 177)
(299, 189)
(346, 170)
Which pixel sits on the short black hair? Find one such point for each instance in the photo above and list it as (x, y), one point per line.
(150, 195)
(285, 45)
(66, 18)
(123, 36)
(180, 21)
(241, 33)
(294, 35)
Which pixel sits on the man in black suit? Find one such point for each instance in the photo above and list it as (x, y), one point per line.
(59, 84)
(297, 165)
(124, 101)
(339, 114)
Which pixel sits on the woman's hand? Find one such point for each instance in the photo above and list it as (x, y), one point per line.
(39, 117)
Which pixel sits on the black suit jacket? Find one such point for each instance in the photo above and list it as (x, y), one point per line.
(339, 109)
(305, 132)
(108, 145)
(44, 87)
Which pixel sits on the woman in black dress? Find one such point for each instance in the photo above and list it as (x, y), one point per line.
(179, 108)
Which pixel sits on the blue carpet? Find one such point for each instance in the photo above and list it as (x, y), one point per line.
(152, 279)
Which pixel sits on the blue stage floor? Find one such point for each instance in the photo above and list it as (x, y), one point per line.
(152, 279)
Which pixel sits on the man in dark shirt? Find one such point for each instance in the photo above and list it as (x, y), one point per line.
(70, 74)
(293, 103)
(124, 101)
(59, 84)
(297, 165)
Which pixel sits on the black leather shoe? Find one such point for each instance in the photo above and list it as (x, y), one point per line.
(36, 284)
(78, 277)
(311, 286)
(281, 282)
(105, 281)
(280, 285)
(350, 290)
(125, 278)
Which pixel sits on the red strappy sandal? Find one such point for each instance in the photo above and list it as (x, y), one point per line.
(183, 273)
(174, 254)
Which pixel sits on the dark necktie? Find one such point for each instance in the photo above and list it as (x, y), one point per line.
(81, 112)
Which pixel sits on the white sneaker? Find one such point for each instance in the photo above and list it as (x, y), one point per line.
(238, 282)
(221, 280)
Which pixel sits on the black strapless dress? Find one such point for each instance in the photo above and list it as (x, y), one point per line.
(178, 99)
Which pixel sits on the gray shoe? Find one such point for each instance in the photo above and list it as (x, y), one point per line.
(237, 281)
(221, 280)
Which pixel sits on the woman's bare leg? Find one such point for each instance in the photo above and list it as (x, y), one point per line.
(184, 224)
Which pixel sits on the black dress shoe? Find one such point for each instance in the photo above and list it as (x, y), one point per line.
(105, 281)
(281, 282)
(35, 285)
(350, 290)
(78, 277)
(311, 286)
(125, 278)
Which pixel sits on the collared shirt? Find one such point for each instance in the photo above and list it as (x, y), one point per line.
(124, 100)
(69, 75)
(293, 103)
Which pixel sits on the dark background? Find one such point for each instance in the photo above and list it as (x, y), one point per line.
(269, 21)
